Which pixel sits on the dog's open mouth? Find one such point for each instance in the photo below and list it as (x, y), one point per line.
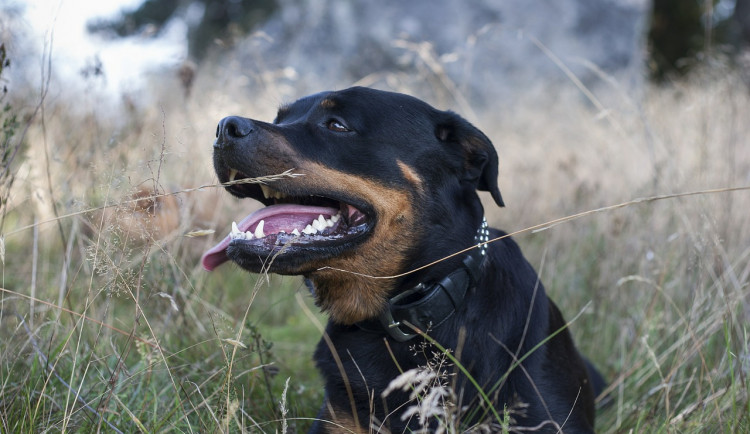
(290, 222)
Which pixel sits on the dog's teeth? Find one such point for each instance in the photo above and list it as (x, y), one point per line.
(335, 218)
(266, 191)
(232, 174)
(248, 235)
(309, 230)
(235, 231)
(270, 193)
(259, 230)
(322, 223)
(329, 223)
(295, 232)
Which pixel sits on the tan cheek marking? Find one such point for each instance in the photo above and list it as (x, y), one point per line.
(328, 103)
(347, 297)
(411, 175)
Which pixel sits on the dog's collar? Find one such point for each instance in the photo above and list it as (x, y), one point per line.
(427, 306)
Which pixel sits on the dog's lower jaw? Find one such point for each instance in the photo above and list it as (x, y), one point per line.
(349, 298)
(355, 285)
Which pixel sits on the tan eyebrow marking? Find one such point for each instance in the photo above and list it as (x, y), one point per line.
(328, 103)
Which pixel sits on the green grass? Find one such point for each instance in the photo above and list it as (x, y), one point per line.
(90, 337)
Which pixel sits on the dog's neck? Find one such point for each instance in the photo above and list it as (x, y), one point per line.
(427, 305)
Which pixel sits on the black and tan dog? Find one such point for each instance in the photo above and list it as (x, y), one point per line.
(389, 185)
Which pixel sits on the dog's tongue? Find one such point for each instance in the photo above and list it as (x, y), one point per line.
(276, 218)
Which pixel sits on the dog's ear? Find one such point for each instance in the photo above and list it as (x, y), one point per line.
(480, 157)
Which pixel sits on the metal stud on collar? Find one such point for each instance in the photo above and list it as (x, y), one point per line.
(482, 237)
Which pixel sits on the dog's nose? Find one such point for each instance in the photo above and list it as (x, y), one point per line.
(230, 129)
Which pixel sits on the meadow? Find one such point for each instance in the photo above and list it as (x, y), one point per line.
(109, 323)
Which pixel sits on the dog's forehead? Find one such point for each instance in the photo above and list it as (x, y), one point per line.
(301, 106)
(365, 97)
(356, 99)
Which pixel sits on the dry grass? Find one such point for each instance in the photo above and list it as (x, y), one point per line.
(108, 321)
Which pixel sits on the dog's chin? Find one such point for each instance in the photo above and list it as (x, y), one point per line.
(289, 254)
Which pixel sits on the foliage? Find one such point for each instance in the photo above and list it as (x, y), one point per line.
(9, 128)
(223, 20)
(682, 31)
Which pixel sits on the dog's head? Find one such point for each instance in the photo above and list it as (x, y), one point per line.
(386, 183)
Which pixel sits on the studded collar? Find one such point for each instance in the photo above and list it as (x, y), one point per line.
(427, 306)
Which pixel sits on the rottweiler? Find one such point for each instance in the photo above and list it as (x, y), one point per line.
(386, 197)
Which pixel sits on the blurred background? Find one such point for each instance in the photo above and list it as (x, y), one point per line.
(490, 52)
(108, 197)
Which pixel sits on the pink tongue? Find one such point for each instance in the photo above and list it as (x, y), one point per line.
(277, 218)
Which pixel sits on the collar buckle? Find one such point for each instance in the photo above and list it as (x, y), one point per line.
(393, 327)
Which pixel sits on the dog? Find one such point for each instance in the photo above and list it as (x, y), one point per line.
(386, 198)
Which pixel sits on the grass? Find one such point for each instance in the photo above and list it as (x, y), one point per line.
(109, 323)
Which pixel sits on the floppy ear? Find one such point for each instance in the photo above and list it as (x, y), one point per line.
(480, 157)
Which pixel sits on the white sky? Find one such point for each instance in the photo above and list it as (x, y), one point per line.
(124, 61)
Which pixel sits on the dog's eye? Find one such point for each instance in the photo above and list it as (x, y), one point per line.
(337, 126)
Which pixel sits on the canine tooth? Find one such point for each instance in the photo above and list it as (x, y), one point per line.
(232, 174)
(235, 229)
(295, 232)
(259, 230)
(309, 230)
